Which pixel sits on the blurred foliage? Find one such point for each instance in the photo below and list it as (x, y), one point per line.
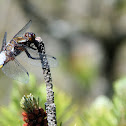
(11, 114)
(102, 112)
(106, 112)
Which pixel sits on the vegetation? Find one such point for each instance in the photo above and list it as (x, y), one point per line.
(102, 112)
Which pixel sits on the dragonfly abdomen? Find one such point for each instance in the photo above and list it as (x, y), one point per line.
(2, 58)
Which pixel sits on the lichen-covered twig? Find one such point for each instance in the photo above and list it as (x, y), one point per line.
(49, 105)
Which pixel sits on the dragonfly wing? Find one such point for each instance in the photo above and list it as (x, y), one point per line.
(37, 62)
(51, 60)
(4, 40)
(43, 59)
(23, 30)
(16, 71)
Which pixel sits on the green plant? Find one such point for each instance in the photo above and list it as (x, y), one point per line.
(11, 115)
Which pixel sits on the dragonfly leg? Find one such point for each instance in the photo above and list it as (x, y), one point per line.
(32, 48)
(29, 56)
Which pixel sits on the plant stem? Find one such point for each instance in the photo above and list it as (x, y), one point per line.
(49, 105)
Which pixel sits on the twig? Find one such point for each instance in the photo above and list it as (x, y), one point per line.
(49, 105)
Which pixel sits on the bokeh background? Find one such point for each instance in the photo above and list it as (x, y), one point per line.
(88, 38)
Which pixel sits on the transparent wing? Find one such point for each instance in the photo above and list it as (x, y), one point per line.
(23, 30)
(4, 40)
(16, 71)
(50, 59)
(37, 62)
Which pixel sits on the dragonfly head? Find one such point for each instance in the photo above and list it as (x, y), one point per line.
(2, 58)
(30, 36)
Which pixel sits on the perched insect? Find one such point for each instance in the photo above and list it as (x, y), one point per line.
(22, 42)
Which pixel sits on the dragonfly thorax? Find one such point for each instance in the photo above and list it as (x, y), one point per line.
(9, 49)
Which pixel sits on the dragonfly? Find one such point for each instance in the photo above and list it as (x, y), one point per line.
(22, 42)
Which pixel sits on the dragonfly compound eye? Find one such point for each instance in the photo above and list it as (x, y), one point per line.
(26, 34)
(33, 35)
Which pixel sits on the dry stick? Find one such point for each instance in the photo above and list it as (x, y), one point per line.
(49, 105)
